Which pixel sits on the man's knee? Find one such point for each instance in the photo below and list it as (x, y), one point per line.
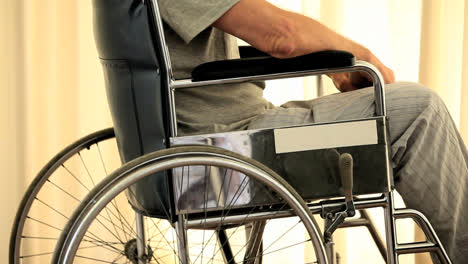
(414, 95)
(409, 102)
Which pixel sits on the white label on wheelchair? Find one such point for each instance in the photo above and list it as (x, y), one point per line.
(325, 136)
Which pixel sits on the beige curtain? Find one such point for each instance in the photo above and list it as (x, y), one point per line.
(52, 88)
(443, 57)
(9, 107)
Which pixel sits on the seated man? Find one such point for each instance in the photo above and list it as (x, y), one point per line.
(429, 157)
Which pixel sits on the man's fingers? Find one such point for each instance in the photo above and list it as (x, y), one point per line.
(343, 81)
(347, 87)
(361, 80)
(350, 81)
(390, 76)
(340, 80)
(387, 73)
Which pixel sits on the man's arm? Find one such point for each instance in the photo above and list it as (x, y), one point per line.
(285, 34)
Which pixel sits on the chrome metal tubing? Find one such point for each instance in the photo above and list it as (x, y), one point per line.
(182, 240)
(354, 222)
(331, 253)
(420, 219)
(330, 245)
(213, 222)
(255, 237)
(429, 232)
(390, 230)
(320, 88)
(314, 208)
(378, 81)
(166, 59)
(359, 203)
(141, 238)
(104, 195)
(359, 66)
(187, 83)
(422, 247)
(418, 247)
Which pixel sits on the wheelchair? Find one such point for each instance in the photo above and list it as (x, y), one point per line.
(235, 197)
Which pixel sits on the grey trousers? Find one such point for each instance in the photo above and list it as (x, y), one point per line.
(429, 157)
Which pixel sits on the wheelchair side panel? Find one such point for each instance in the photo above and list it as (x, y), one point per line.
(313, 173)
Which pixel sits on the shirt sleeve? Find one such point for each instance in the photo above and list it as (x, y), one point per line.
(190, 17)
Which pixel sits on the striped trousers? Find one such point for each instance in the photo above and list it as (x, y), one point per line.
(429, 157)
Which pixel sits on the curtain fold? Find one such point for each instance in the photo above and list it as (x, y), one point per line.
(464, 80)
(442, 51)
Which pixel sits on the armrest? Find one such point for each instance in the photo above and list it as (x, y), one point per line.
(269, 65)
(250, 52)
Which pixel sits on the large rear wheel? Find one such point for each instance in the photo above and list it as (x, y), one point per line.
(56, 192)
(220, 217)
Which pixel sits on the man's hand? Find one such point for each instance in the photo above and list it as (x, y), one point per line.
(284, 34)
(350, 81)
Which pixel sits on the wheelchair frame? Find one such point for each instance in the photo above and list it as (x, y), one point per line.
(394, 249)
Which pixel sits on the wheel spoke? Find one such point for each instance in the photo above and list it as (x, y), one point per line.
(44, 223)
(51, 208)
(75, 177)
(37, 255)
(43, 238)
(61, 189)
(94, 259)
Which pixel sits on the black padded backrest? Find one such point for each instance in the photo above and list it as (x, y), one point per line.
(135, 92)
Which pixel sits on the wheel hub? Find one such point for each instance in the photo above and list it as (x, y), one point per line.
(131, 252)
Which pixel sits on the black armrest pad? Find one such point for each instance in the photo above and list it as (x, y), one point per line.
(268, 65)
(249, 52)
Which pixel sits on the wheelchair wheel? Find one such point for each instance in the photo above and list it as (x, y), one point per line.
(56, 191)
(221, 232)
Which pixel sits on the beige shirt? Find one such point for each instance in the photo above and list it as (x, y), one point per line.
(192, 41)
